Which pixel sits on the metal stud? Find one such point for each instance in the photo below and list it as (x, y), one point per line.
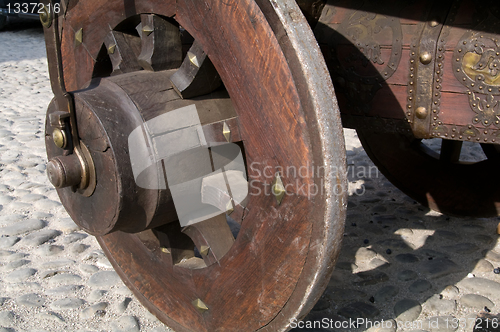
(204, 250)
(421, 112)
(79, 37)
(165, 250)
(194, 60)
(226, 132)
(200, 306)
(425, 58)
(229, 207)
(278, 189)
(147, 30)
(111, 49)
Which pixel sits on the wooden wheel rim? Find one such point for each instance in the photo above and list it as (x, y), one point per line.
(281, 261)
(451, 188)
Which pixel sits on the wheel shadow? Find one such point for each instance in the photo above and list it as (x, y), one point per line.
(396, 255)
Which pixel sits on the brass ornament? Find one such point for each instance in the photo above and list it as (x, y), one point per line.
(278, 189)
(200, 306)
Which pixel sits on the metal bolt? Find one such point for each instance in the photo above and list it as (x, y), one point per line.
(79, 37)
(434, 23)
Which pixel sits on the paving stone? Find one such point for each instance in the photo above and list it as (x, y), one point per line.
(407, 275)
(47, 204)
(22, 227)
(386, 294)
(103, 263)
(120, 307)
(371, 278)
(359, 310)
(483, 265)
(440, 324)
(440, 306)
(50, 316)
(65, 279)
(377, 263)
(482, 286)
(3, 300)
(32, 197)
(420, 286)
(125, 324)
(67, 225)
(73, 237)
(7, 318)
(439, 267)
(446, 235)
(492, 255)
(15, 256)
(58, 264)
(476, 301)
(96, 295)
(38, 238)
(89, 312)
(86, 268)
(30, 300)
(8, 241)
(485, 239)
(393, 244)
(78, 248)
(365, 254)
(407, 258)
(46, 250)
(6, 253)
(67, 303)
(462, 248)
(19, 275)
(63, 290)
(346, 266)
(104, 279)
(21, 287)
(430, 254)
(15, 264)
(450, 292)
(389, 325)
(123, 291)
(407, 310)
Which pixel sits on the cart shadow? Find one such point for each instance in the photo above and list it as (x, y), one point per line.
(393, 250)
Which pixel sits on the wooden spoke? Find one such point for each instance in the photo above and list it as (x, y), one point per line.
(212, 237)
(161, 46)
(197, 75)
(123, 50)
(450, 151)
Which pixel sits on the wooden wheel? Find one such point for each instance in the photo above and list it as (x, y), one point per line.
(440, 181)
(289, 229)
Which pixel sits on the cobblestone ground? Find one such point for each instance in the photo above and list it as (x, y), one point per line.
(399, 261)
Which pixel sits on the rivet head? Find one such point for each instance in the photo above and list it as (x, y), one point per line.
(200, 306)
(421, 112)
(425, 58)
(165, 250)
(434, 23)
(278, 189)
(59, 137)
